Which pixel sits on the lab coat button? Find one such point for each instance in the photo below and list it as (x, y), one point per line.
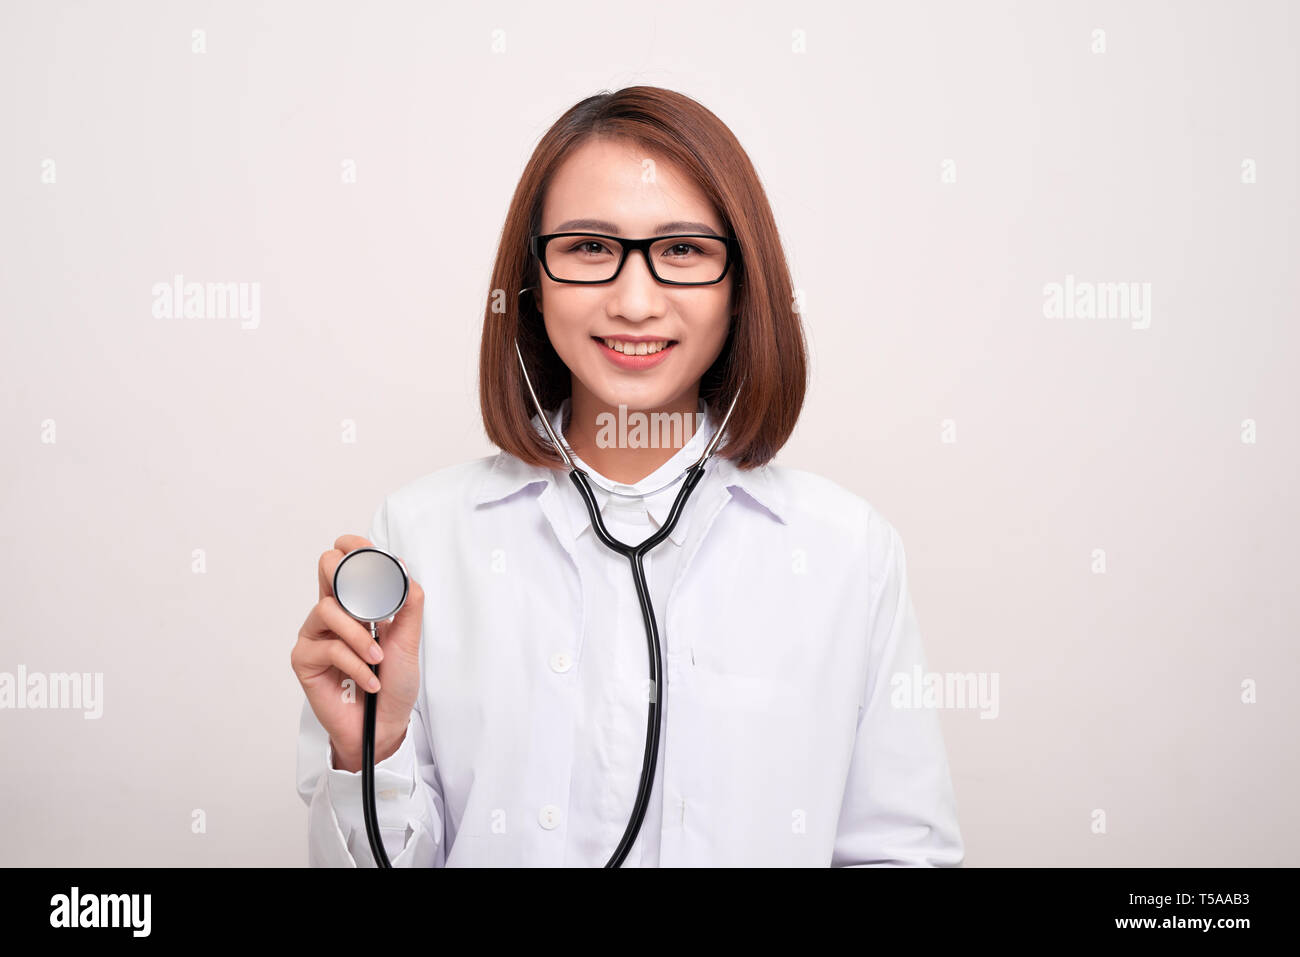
(560, 662)
(549, 817)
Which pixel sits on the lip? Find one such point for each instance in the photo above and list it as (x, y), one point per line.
(634, 363)
(638, 338)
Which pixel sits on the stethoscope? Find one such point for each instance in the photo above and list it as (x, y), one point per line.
(371, 585)
(635, 554)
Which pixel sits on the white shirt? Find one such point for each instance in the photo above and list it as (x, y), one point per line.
(783, 610)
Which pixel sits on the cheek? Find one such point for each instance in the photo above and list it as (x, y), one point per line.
(713, 329)
(565, 335)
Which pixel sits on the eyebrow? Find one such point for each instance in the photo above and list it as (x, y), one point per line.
(663, 229)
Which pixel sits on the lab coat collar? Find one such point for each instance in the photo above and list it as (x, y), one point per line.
(509, 475)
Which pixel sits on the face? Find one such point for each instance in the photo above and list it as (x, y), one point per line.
(607, 180)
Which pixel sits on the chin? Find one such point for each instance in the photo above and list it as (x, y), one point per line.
(647, 394)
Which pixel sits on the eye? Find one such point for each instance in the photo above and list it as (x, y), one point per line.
(682, 249)
(584, 246)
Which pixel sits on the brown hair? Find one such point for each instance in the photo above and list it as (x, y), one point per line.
(765, 346)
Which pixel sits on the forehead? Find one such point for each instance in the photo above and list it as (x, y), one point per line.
(619, 182)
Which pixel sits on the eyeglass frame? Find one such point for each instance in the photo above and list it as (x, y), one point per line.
(537, 245)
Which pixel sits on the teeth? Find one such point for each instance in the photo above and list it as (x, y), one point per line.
(636, 348)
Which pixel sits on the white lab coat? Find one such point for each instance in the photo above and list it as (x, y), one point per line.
(783, 615)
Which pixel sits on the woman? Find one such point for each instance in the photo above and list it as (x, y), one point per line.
(516, 718)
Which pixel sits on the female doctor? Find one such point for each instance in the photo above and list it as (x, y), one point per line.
(513, 685)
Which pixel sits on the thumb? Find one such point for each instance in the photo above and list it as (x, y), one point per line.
(402, 634)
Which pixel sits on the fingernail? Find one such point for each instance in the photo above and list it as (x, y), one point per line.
(374, 684)
(376, 653)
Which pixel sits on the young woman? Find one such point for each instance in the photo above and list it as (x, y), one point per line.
(722, 698)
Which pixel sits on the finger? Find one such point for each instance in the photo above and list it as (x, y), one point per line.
(329, 560)
(314, 657)
(325, 567)
(329, 622)
(350, 543)
(346, 661)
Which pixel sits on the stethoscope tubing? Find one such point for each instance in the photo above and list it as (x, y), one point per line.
(369, 813)
(654, 717)
(634, 554)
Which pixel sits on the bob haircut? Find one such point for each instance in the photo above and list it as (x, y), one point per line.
(765, 347)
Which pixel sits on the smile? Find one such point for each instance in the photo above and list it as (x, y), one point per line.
(635, 355)
(637, 348)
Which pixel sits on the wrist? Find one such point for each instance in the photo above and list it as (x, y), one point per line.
(352, 762)
(385, 750)
(341, 761)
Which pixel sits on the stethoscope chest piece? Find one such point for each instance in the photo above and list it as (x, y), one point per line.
(371, 584)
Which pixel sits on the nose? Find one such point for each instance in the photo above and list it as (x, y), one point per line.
(636, 291)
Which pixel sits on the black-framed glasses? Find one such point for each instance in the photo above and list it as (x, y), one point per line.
(682, 259)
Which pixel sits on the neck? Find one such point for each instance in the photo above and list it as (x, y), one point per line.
(603, 448)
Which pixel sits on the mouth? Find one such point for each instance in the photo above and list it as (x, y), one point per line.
(635, 355)
(646, 348)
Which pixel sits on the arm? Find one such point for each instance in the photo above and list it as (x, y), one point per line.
(898, 807)
(408, 796)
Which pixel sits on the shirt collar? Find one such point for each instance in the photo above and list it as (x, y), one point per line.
(509, 475)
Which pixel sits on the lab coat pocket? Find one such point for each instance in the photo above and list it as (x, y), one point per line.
(747, 694)
(721, 723)
(803, 728)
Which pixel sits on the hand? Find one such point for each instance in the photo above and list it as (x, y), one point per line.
(333, 646)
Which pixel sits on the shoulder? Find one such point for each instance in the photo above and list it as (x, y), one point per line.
(812, 500)
(450, 487)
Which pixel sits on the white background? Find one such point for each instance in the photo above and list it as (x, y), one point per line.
(923, 302)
